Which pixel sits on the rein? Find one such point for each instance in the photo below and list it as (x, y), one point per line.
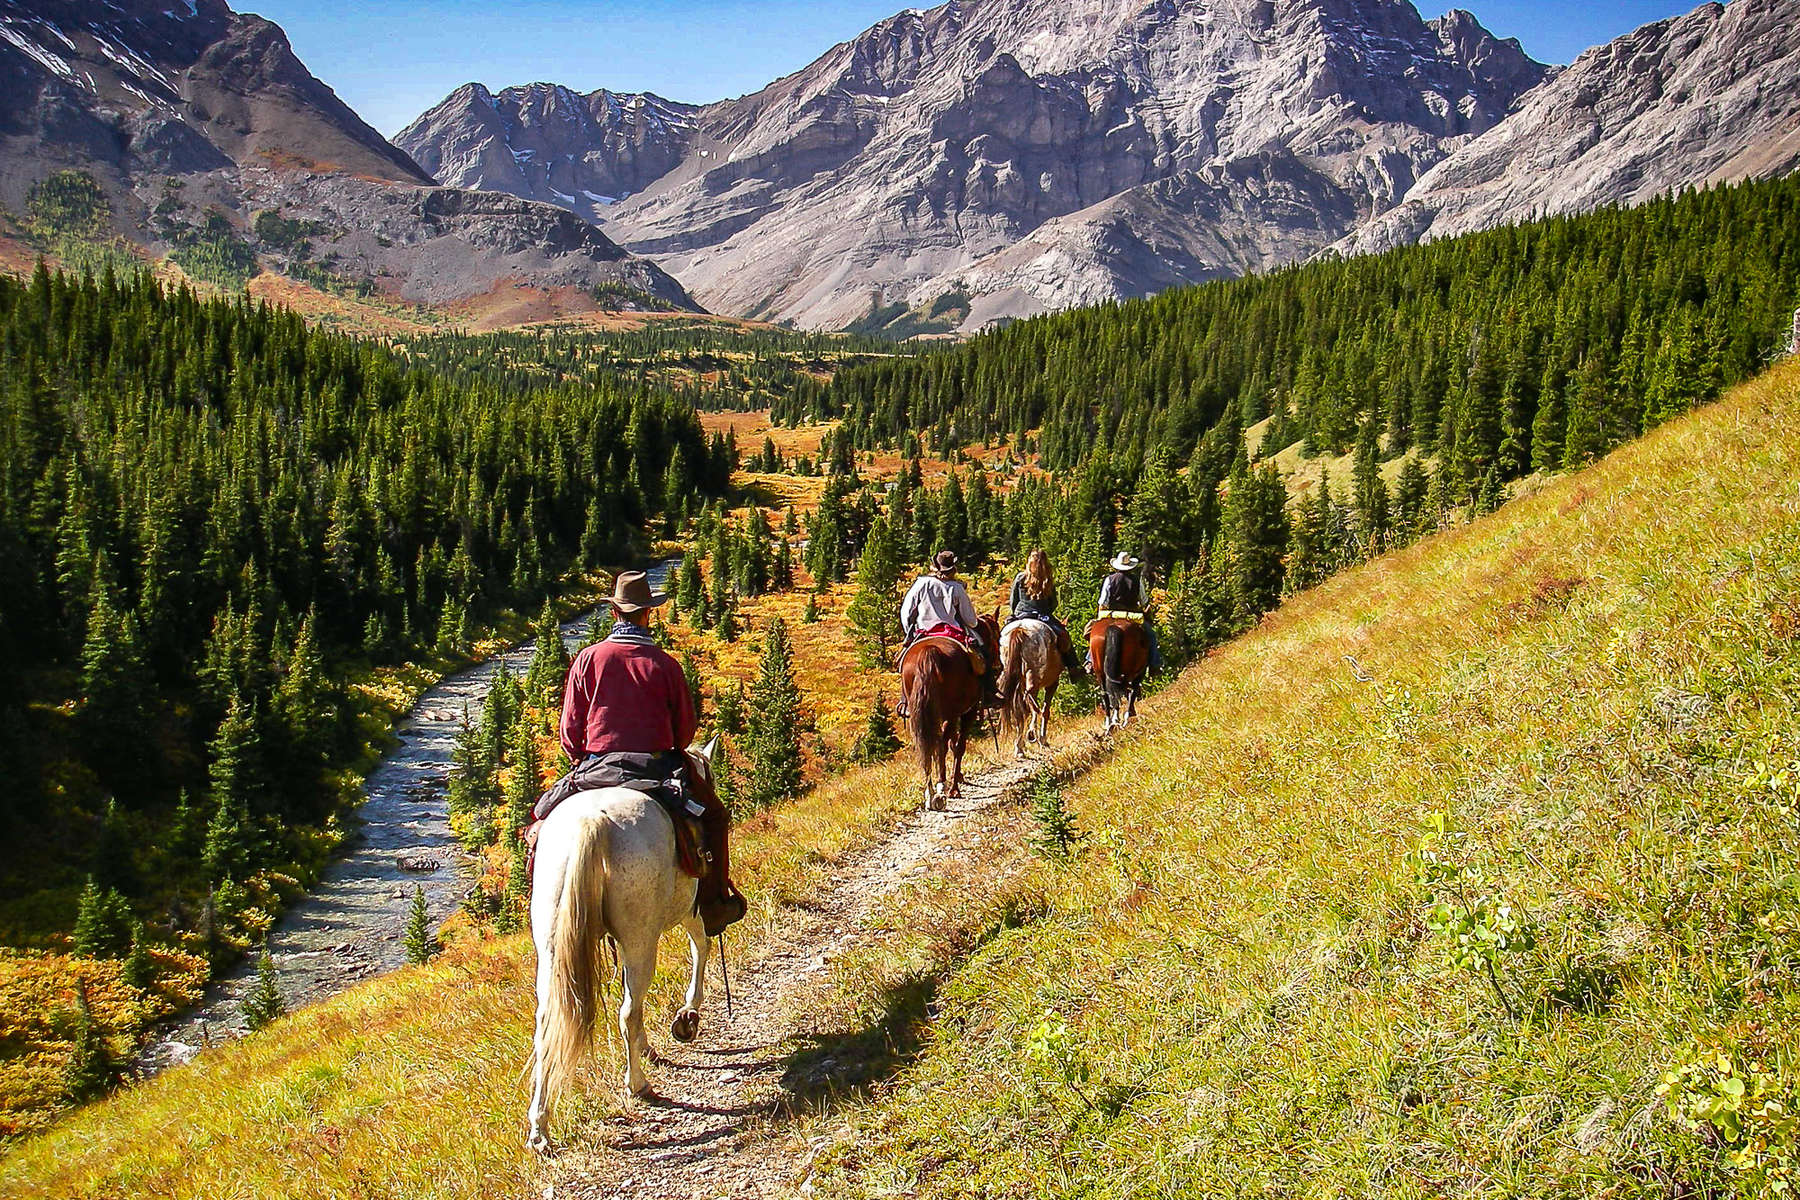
(725, 973)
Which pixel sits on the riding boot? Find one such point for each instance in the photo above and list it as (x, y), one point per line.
(1071, 661)
(719, 902)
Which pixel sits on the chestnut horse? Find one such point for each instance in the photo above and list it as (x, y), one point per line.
(1121, 650)
(943, 700)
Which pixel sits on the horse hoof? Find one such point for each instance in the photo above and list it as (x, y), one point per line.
(539, 1143)
(935, 804)
(686, 1025)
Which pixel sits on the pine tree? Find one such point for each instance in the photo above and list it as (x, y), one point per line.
(810, 614)
(138, 971)
(102, 922)
(690, 671)
(728, 708)
(773, 722)
(420, 939)
(1586, 434)
(522, 786)
(1371, 495)
(1409, 498)
(263, 1004)
(1257, 527)
(90, 1069)
(879, 741)
(874, 612)
(549, 660)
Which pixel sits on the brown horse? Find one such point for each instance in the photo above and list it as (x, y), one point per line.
(943, 699)
(1121, 649)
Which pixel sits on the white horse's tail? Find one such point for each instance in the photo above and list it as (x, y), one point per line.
(575, 954)
(1015, 691)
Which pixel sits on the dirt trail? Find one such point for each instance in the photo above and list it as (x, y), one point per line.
(714, 1127)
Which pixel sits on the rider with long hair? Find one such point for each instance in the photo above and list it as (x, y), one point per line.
(1034, 598)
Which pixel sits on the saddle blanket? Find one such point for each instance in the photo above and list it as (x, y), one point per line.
(951, 639)
(662, 777)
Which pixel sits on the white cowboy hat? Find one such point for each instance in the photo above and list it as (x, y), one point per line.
(1123, 562)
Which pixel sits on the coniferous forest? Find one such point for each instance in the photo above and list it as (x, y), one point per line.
(1532, 346)
(212, 517)
(1447, 370)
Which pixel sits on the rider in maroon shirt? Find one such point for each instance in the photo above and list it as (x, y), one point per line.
(625, 694)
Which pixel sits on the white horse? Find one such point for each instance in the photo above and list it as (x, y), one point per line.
(606, 868)
(1029, 664)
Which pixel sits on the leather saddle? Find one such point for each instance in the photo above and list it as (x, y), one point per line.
(662, 777)
(975, 658)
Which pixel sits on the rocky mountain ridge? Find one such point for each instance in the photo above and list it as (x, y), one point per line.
(1014, 156)
(545, 142)
(1709, 97)
(193, 120)
(931, 154)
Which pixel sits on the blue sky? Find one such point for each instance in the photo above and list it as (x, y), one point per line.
(392, 59)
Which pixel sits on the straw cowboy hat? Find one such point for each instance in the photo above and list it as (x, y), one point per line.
(1124, 562)
(631, 592)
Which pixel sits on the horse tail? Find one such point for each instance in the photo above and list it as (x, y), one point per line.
(576, 965)
(921, 723)
(1010, 664)
(1112, 660)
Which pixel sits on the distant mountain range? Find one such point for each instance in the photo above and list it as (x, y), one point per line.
(981, 160)
(185, 111)
(994, 158)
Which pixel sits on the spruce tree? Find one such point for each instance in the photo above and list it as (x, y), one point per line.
(549, 660)
(878, 741)
(773, 722)
(138, 971)
(90, 1069)
(1371, 494)
(874, 612)
(690, 671)
(728, 708)
(102, 922)
(420, 939)
(522, 788)
(263, 1004)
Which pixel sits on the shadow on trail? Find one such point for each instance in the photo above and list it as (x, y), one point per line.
(833, 1067)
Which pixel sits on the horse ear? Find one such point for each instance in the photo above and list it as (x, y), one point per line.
(706, 751)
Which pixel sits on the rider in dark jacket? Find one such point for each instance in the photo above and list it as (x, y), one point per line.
(1034, 597)
(1123, 594)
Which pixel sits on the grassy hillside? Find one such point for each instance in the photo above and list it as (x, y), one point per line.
(1241, 988)
(411, 1085)
(1237, 987)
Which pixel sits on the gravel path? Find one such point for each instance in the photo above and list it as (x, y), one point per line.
(714, 1127)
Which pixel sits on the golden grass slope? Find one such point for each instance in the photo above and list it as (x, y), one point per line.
(1236, 991)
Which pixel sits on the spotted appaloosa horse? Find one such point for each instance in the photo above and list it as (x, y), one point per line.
(943, 699)
(1121, 648)
(1030, 669)
(605, 867)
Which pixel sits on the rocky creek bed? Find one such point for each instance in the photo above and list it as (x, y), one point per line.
(350, 926)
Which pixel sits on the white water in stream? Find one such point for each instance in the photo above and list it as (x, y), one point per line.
(350, 926)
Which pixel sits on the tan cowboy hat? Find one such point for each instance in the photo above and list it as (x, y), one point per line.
(631, 592)
(1124, 562)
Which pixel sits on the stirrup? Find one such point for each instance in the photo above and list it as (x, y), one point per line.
(724, 910)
